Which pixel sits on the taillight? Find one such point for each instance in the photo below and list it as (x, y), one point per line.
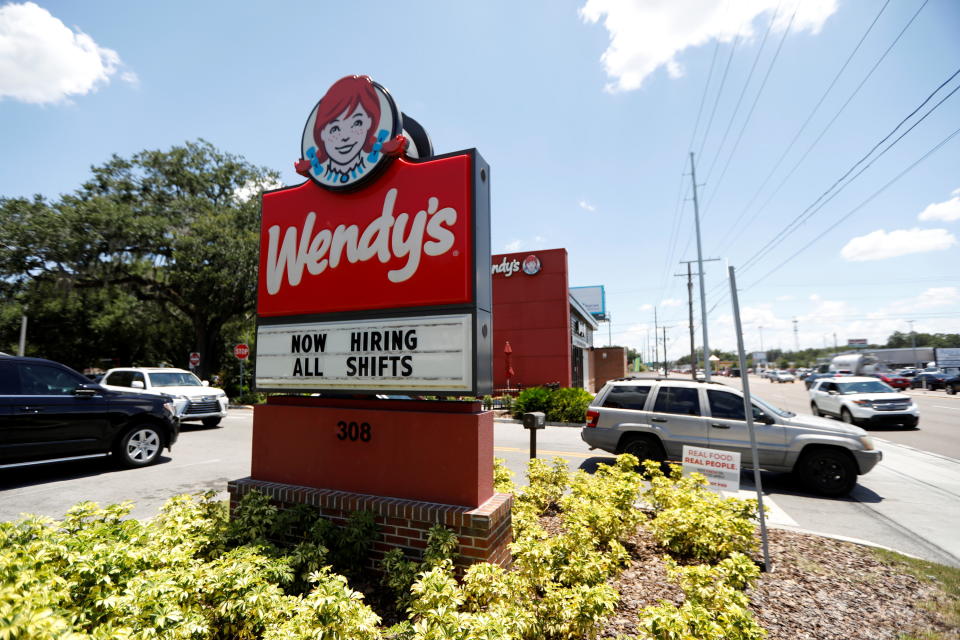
(593, 416)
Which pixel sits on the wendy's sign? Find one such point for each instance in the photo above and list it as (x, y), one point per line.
(384, 239)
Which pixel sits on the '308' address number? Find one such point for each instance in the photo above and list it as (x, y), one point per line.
(353, 431)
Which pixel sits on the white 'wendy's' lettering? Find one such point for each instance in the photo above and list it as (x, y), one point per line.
(388, 236)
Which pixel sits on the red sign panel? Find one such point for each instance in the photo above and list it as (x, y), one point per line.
(404, 241)
(241, 351)
(194, 359)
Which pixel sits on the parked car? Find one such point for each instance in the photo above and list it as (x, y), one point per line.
(192, 398)
(50, 412)
(813, 377)
(929, 380)
(892, 380)
(654, 419)
(952, 385)
(782, 376)
(862, 400)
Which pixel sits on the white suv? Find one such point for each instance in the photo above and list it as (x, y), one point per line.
(192, 399)
(862, 400)
(654, 418)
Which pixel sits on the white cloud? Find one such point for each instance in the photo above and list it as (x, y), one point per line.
(648, 34)
(646, 307)
(879, 244)
(784, 298)
(671, 302)
(930, 299)
(586, 206)
(948, 211)
(513, 246)
(44, 61)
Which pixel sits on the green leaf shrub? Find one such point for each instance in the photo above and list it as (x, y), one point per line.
(714, 607)
(502, 477)
(101, 575)
(696, 523)
(568, 404)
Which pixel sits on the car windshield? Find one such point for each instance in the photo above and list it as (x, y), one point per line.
(872, 386)
(174, 379)
(772, 409)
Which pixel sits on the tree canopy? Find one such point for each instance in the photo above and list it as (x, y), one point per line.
(150, 259)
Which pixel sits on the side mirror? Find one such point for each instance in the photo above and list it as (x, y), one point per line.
(138, 384)
(205, 383)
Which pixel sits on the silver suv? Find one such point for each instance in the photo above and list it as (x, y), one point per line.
(653, 419)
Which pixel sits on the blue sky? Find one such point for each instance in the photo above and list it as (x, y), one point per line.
(586, 111)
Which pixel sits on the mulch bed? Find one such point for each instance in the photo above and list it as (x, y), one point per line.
(819, 589)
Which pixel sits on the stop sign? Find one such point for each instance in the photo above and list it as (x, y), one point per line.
(242, 351)
(194, 359)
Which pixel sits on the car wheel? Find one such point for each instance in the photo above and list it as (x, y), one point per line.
(139, 446)
(211, 422)
(814, 409)
(847, 417)
(828, 472)
(644, 447)
(952, 390)
(912, 423)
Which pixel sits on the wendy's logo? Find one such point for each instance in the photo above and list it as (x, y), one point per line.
(352, 133)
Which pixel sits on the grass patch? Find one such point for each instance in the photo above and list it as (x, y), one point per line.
(945, 578)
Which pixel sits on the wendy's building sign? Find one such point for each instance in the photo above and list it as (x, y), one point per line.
(374, 273)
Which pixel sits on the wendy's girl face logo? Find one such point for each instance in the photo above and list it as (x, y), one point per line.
(352, 133)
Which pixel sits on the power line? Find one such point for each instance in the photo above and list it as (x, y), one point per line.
(842, 108)
(812, 209)
(756, 99)
(723, 82)
(743, 92)
(803, 127)
(862, 204)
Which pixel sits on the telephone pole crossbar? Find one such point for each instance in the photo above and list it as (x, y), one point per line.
(689, 274)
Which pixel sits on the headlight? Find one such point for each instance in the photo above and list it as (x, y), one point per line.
(168, 407)
(867, 443)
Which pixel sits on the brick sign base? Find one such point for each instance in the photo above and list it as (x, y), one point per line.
(484, 532)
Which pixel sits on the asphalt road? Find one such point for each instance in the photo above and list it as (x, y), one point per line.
(938, 431)
(908, 503)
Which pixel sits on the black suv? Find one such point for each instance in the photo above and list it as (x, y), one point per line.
(49, 411)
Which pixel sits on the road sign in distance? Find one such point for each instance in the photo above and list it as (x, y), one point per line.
(194, 359)
(242, 351)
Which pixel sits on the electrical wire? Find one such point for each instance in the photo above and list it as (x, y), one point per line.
(735, 226)
(842, 108)
(812, 209)
(862, 204)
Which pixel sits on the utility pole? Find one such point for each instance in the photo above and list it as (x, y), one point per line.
(761, 337)
(703, 293)
(656, 349)
(913, 343)
(693, 349)
(835, 347)
(666, 371)
(796, 337)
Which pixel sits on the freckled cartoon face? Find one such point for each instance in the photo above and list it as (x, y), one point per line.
(343, 137)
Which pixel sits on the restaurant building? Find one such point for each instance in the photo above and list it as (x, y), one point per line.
(550, 333)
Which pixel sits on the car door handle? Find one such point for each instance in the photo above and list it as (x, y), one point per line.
(717, 425)
(658, 419)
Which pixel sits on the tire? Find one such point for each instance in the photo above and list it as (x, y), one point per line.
(139, 446)
(952, 390)
(210, 422)
(815, 410)
(912, 423)
(644, 447)
(847, 417)
(828, 472)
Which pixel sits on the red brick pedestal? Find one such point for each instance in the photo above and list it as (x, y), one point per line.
(484, 532)
(412, 463)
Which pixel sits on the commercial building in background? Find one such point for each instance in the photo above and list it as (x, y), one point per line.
(549, 331)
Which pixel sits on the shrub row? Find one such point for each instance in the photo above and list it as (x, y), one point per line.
(567, 404)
